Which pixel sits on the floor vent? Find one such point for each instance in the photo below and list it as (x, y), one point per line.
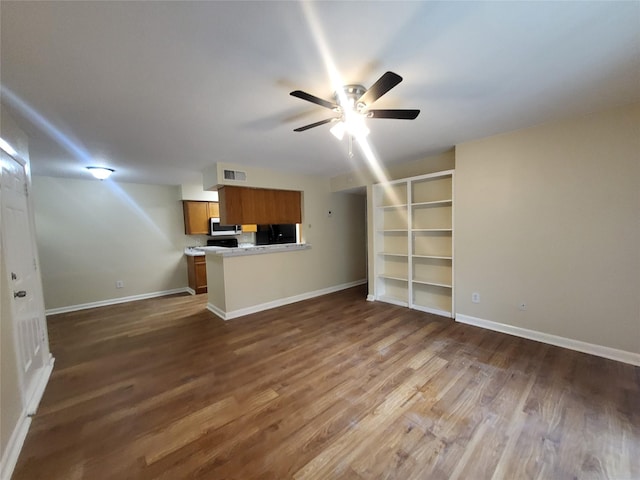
(235, 175)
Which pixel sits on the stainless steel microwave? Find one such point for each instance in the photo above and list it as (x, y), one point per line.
(216, 229)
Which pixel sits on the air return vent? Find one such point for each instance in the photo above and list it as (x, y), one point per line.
(235, 175)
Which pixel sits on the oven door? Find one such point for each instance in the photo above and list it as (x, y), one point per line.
(217, 229)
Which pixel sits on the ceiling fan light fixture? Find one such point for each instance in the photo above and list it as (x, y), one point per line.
(353, 103)
(353, 125)
(101, 173)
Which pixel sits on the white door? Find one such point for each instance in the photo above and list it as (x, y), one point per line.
(23, 280)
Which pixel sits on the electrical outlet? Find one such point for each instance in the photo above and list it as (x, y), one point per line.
(475, 297)
(119, 284)
(522, 306)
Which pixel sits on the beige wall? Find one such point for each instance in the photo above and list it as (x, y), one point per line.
(91, 233)
(550, 216)
(194, 191)
(10, 399)
(363, 177)
(338, 253)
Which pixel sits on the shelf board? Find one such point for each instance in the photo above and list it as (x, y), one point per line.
(437, 257)
(434, 203)
(390, 254)
(433, 284)
(432, 229)
(393, 300)
(391, 277)
(399, 205)
(393, 230)
(435, 311)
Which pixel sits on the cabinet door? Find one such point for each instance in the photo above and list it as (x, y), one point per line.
(214, 210)
(230, 205)
(243, 205)
(197, 273)
(286, 206)
(201, 274)
(196, 217)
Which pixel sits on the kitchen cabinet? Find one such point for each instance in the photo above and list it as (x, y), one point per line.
(245, 205)
(413, 242)
(197, 272)
(197, 215)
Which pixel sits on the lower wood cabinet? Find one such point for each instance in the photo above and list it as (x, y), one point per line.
(197, 271)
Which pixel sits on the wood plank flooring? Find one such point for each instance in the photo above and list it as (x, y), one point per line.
(330, 388)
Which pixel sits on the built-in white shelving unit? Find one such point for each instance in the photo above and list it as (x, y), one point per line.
(413, 242)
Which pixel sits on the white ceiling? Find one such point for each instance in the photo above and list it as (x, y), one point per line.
(160, 90)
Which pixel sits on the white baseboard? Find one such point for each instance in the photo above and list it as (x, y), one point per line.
(14, 446)
(584, 347)
(434, 311)
(41, 384)
(114, 301)
(281, 301)
(371, 298)
(190, 291)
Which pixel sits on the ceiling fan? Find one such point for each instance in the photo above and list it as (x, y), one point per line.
(353, 105)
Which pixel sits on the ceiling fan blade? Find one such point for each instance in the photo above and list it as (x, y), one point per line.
(385, 83)
(313, 99)
(311, 125)
(398, 114)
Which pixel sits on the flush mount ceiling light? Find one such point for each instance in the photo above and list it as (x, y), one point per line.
(101, 173)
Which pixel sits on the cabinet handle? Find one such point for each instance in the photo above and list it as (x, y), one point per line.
(20, 294)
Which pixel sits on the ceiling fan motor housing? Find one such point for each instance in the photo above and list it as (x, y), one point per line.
(353, 93)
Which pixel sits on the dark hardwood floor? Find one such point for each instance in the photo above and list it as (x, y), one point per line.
(330, 388)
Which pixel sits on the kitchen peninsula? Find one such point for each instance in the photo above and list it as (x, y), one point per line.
(245, 280)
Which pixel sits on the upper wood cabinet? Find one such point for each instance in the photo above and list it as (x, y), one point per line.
(244, 205)
(197, 215)
(214, 209)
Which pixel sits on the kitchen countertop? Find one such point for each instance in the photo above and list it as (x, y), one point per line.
(193, 252)
(253, 250)
(245, 249)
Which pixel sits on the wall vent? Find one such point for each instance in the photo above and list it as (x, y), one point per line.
(235, 175)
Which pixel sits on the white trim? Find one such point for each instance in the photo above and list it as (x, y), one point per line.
(40, 385)
(371, 298)
(281, 301)
(190, 291)
(113, 301)
(217, 311)
(14, 446)
(584, 347)
(392, 301)
(434, 311)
